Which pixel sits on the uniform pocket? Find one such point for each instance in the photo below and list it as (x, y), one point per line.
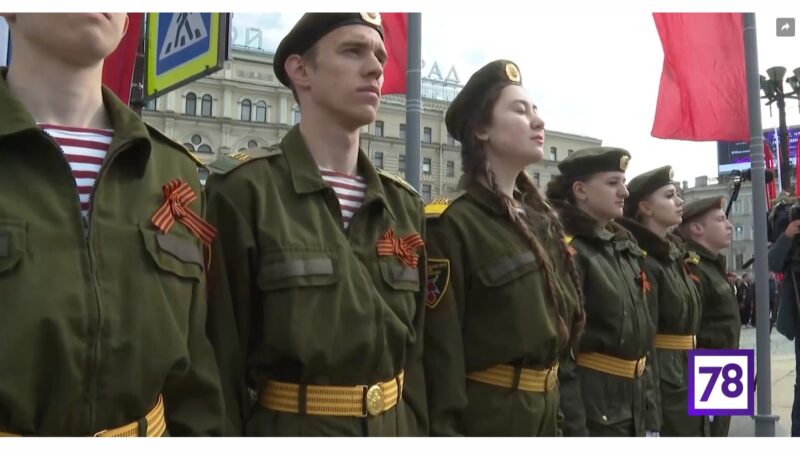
(508, 268)
(297, 268)
(400, 276)
(12, 244)
(173, 253)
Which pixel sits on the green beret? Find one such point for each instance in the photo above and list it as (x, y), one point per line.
(697, 208)
(467, 102)
(645, 184)
(310, 29)
(589, 161)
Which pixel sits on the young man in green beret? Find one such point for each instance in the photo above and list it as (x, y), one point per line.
(102, 291)
(317, 288)
(708, 233)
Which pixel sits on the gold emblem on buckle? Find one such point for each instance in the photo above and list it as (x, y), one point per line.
(550, 380)
(640, 367)
(375, 400)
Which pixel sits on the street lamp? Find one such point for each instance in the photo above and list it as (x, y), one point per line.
(772, 85)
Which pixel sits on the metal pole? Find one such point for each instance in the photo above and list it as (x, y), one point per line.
(414, 101)
(765, 421)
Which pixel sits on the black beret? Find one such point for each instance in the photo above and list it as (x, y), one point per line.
(697, 208)
(589, 161)
(645, 184)
(310, 29)
(467, 102)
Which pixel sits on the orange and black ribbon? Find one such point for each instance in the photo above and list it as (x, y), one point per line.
(646, 286)
(404, 248)
(177, 197)
(689, 273)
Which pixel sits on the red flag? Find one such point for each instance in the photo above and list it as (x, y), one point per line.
(395, 38)
(118, 66)
(797, 168)
(703, 94)
(772, 189)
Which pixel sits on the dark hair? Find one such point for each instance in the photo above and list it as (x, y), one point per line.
(475, 167)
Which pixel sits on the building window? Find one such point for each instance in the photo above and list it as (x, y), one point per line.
(451, 168)
(738, 233)
(426, 166)
(151, 104)
(261, 112)
(205, 107)
(247, 107)
(553, 154)
(295, 115)
(739, 261)
(570, 151)
(196, 144)
(204, 149)
(252, 144)
(191, 104)
(450, 139)
(401, 163)
(737, 208)
(403, 131)
(426, 193)
(378, 128)
(377, 160)
(427, 134)
(536, 179)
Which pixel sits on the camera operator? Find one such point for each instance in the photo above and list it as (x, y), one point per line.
(784, 257)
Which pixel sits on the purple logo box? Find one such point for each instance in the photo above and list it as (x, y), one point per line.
(748, 383)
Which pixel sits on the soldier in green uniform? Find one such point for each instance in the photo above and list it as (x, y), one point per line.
(317, 285)
(603, 384)
(708, 232)
(651, 211)
(102, 284)
(502, 286)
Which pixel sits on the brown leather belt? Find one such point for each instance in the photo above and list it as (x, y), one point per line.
(156, 425)
(612, 365)
(349, 401)
(676, 341)
(531, 380)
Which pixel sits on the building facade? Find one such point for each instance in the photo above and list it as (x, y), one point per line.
(244, 106)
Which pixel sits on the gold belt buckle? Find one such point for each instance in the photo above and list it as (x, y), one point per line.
(375, 400)
(100, 433)
(640, 367)
(550, 379)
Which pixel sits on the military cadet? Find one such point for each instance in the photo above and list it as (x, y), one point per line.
(708, 232)
(651, 211)
(102, 284)
(502, 288)
(318, 273)
(605, 395)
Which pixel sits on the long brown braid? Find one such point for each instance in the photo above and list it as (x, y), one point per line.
(475, 166)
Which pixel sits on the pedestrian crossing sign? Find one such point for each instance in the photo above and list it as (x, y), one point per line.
(182, 47)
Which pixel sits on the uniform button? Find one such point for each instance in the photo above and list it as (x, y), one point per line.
(605, 419)
(622, 341)
(624, 313)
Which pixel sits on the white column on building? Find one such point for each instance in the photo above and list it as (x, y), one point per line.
(283, 110)
(228, 103)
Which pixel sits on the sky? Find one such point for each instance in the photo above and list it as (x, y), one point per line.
(593, 73)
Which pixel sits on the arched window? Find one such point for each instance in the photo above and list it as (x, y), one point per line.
(191, 104)
(205, 109)
(204, 149)
(247, 106)
(295, 115)
(252, 144)
(261, 111)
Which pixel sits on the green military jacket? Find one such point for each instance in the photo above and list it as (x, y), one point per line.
(489, 305)
(97, 321)
(675, 307)
(618, 323)
(295, 297)
(720, 323)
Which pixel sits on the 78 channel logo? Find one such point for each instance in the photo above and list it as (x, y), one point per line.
(721, 382)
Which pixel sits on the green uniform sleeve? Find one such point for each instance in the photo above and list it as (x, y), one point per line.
(414, 389)
(193, 402)
(652, 377)
(232, 288)
(572, 412)
(444, 351)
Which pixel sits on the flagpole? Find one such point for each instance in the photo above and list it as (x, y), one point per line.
(764, 419)
(414, 100)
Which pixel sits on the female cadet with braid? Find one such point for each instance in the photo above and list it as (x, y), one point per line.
(502, 289)
(614, 396)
